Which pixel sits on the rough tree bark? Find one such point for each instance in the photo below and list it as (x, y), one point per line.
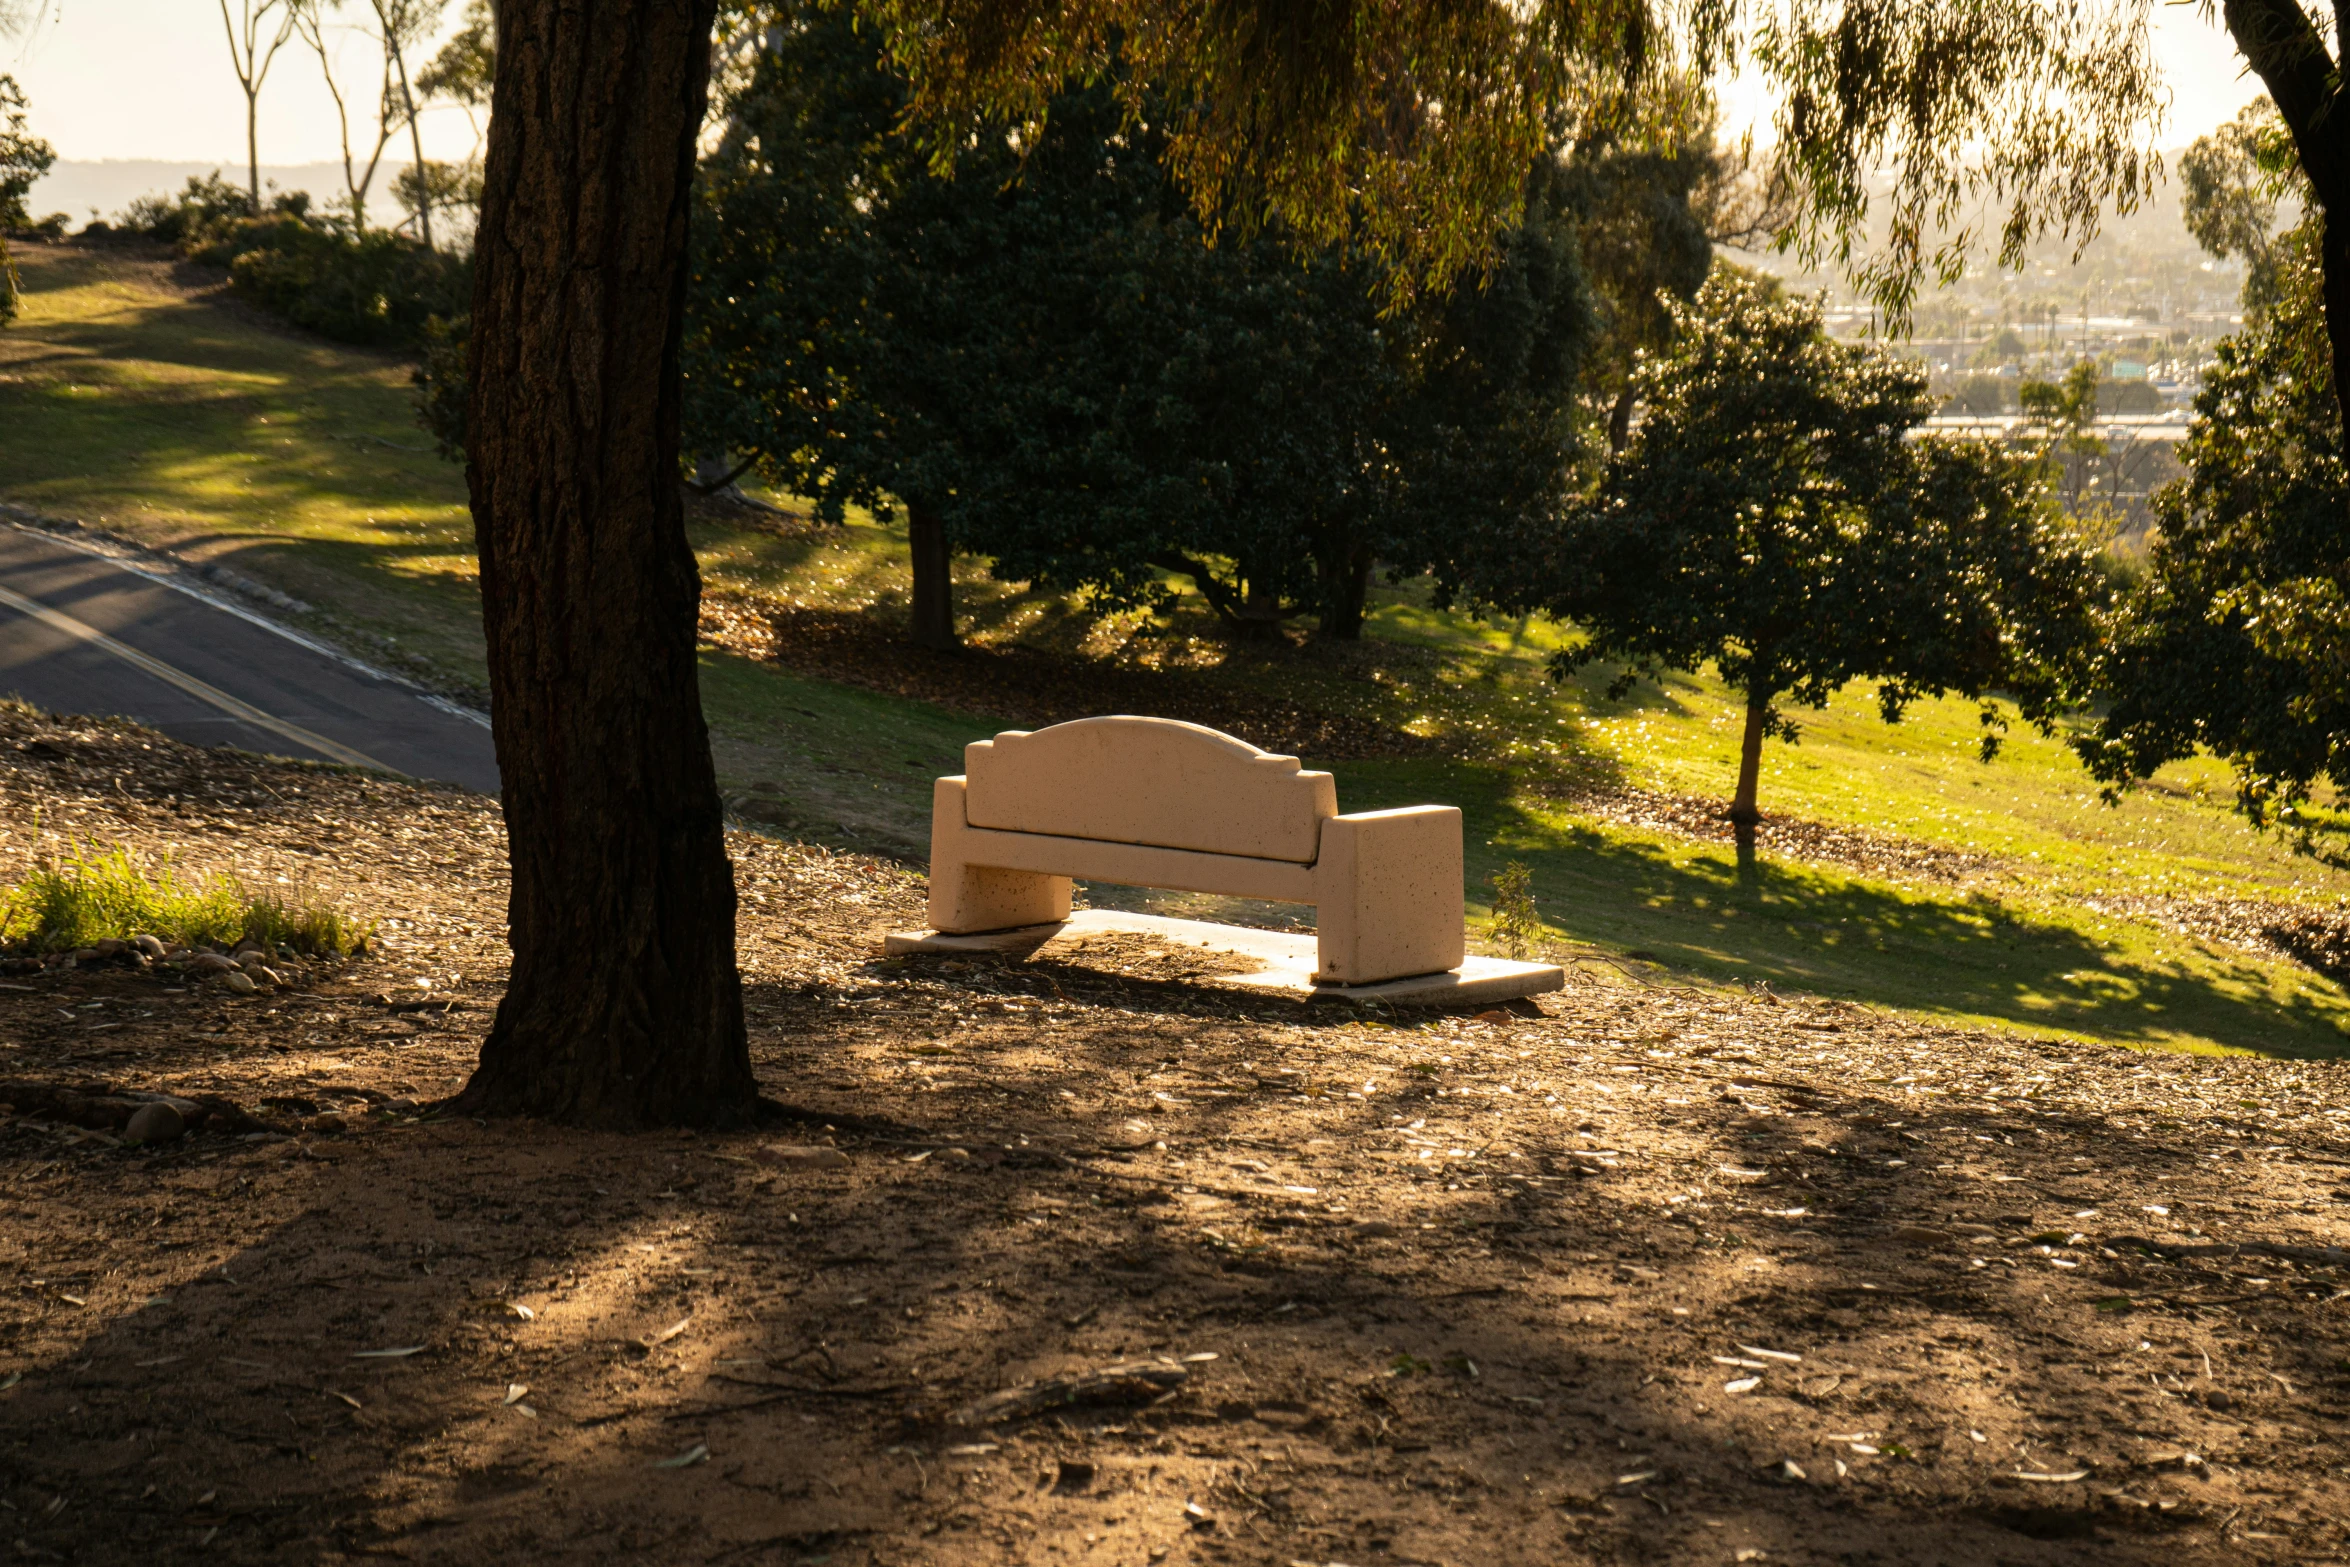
(934, 578)
(2290, 56)
(624, 1008)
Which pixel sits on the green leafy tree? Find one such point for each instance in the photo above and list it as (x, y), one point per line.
(2001, 348)
(1646, 246)
(24, 158)
(1984, 396)
(1651, 202)
(435, 186)
(1776, 516)
(2063, 413)
(2231, 184)
(466, 67)
(2237, 641)
(1045, 359)
(400, 27)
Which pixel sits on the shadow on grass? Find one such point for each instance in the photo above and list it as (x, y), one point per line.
(1806, 928)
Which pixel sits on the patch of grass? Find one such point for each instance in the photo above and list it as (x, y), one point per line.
(91, 896)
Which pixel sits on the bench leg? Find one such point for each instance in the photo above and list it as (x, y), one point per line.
(1389, 902)
(965, 897)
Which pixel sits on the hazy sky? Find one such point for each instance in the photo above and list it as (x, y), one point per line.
(151, 79)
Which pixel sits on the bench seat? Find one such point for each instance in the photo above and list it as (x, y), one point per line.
(1192, 810)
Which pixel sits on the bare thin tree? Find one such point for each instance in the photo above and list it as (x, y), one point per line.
(310, 23)
(400, 25)
(252, 46)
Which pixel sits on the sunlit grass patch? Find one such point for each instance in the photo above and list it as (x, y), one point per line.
(91, 896)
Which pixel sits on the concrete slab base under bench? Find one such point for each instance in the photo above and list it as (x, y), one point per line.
(1288, 958)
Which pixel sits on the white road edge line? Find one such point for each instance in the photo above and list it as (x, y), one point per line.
(174, 578)
(58, 620)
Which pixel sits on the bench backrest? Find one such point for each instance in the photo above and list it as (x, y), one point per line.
(1148, 780)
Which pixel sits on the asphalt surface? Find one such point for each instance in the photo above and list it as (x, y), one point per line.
(83, 633)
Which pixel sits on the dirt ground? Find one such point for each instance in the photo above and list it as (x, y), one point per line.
(1658, 1275)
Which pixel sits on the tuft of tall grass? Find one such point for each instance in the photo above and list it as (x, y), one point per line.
(88, 896)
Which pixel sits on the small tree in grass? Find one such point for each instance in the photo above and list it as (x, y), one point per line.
(24, 158)
(1776, 516)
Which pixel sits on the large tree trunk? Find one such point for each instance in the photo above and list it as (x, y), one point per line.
(2334, 257)
(624, 1008)
(1744, 816)
(1346, 592)
(934, 578)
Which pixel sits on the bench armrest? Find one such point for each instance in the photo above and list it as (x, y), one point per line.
(1388, 895)
(968, 897)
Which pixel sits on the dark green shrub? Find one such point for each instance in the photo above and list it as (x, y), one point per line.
(206, 205)
(375, 288)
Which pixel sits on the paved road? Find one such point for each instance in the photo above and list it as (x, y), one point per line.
(82, 633)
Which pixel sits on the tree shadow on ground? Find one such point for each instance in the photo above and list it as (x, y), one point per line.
(1479, 1354)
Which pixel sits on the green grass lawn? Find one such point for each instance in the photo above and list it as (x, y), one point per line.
(129, 401)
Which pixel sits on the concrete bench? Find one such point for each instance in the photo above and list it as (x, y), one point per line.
(1152, 802)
